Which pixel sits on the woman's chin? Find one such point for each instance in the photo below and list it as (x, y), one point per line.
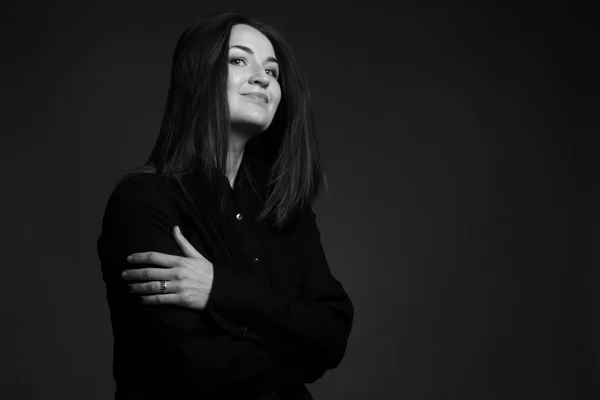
(251, 125)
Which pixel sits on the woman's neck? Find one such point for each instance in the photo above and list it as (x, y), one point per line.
(234, 160)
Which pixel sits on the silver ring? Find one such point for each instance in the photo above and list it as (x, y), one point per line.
(163, 287)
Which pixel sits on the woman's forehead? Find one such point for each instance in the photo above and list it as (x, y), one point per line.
(248, 36)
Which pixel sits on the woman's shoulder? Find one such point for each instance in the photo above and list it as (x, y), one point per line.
(138, 187)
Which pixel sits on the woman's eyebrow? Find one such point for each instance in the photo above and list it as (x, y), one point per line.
(249, 51)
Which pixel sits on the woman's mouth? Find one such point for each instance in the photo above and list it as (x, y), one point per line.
(258, 97)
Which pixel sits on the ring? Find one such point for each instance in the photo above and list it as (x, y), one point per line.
(163, 287)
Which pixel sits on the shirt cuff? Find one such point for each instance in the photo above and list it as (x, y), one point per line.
(237, 296)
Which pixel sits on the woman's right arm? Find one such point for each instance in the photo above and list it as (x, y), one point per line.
(183, 343)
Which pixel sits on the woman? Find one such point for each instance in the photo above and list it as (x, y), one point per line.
(217, 282)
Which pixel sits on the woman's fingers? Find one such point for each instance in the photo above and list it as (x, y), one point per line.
(171, 298)
(153, 287)
(186, 246)
(152, 257)
(148, 274)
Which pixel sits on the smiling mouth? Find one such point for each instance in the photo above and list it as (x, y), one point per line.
(259, 97)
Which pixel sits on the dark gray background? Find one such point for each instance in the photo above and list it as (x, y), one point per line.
(457, 202)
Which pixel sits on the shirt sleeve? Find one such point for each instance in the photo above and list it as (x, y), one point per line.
(139, 218)
(312, 329)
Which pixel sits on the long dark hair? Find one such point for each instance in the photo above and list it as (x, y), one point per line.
(193, 138)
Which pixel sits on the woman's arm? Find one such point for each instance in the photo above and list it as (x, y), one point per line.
(139, 218)
(313, 329)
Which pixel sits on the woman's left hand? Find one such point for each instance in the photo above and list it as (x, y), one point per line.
(188, 279)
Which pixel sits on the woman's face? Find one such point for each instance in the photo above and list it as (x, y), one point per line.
(253, 90)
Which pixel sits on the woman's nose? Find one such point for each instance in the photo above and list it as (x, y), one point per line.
(260, 78)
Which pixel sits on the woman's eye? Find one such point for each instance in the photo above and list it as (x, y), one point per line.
(234, 61)
(240, 61)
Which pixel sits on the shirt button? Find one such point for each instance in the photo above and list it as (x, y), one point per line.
(244, 329)
(255, 260)
(239, 216)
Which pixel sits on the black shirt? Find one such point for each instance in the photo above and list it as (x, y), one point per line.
(268, 330)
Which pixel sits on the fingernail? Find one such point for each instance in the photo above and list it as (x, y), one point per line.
(129, 287)
(177, 230)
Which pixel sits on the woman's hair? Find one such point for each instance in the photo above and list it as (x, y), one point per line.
(194, 133)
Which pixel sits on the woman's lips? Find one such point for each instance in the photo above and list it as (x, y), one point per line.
(258, 96)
